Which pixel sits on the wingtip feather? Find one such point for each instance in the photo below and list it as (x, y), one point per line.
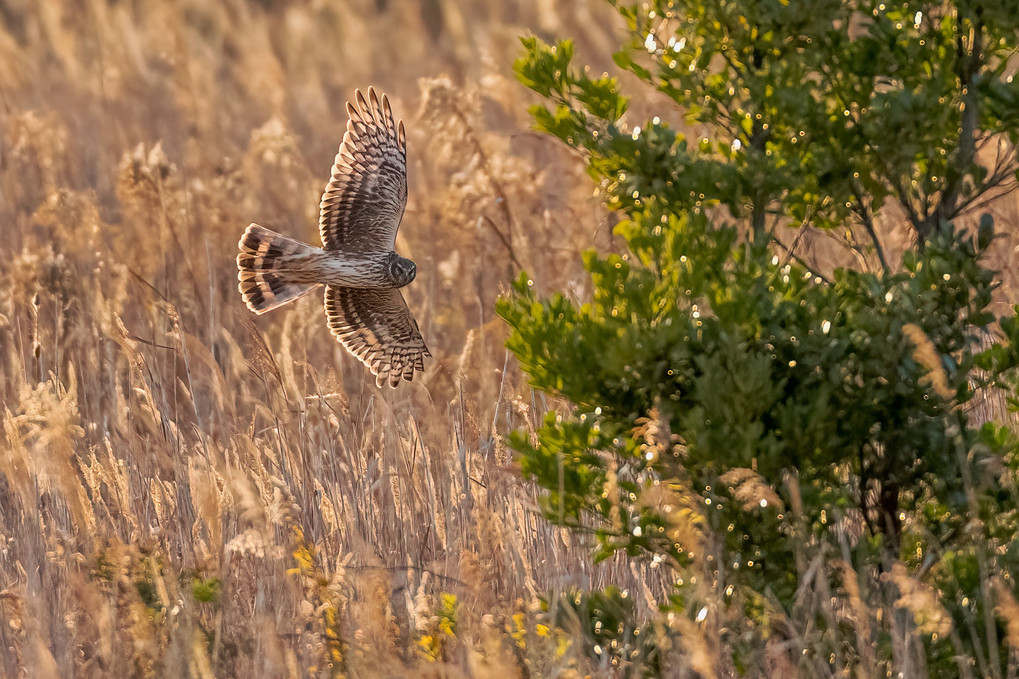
(374, 101)
(387, 114)
(362, 104)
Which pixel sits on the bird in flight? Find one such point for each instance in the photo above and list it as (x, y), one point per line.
(359, 214)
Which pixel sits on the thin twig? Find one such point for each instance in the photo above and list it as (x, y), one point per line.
(505, 241)
(799, 234)
(868, 223)
(497, 187)
(790, 249)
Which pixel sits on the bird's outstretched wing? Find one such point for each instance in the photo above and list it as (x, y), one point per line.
(364, 200)
(377, 328)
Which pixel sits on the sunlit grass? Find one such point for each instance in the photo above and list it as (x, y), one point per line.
(188, 490)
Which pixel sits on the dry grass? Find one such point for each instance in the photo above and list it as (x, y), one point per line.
(186, 490)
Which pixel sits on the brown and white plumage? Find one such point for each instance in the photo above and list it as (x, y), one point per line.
(360, 212)
(376, 326)
(364, 200)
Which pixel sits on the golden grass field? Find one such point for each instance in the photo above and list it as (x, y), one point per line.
(189, 490)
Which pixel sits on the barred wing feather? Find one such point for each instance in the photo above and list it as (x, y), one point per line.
(378, 329)
(366, 195)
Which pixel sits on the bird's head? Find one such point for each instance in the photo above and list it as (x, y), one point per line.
(402, 270)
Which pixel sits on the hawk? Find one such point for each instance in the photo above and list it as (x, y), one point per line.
(359, 214)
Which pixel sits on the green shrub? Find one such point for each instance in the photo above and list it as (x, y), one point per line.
(797, 446)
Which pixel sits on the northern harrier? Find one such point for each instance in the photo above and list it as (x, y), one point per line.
(359, 214)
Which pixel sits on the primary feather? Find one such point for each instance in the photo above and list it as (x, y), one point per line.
(359, 214)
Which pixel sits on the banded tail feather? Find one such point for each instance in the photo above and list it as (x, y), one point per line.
(266, 282)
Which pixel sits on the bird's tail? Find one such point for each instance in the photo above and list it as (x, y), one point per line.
(263, 271)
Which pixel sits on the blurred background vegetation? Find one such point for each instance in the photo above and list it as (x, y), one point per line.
(187, 490)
